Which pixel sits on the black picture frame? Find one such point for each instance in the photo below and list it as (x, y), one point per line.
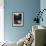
(17, 19)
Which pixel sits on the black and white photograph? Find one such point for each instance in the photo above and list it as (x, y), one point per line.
(18, 18)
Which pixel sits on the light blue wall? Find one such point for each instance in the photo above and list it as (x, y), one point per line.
(43, 6)
(29, 7)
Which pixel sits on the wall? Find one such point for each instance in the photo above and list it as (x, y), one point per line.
(1, 21)
(43, 6)
(29, 7)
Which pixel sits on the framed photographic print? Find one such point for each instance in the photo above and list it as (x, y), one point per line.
(18, 18)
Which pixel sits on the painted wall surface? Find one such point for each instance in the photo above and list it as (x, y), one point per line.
(29, 7)
(1, 20)
(43, 6)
